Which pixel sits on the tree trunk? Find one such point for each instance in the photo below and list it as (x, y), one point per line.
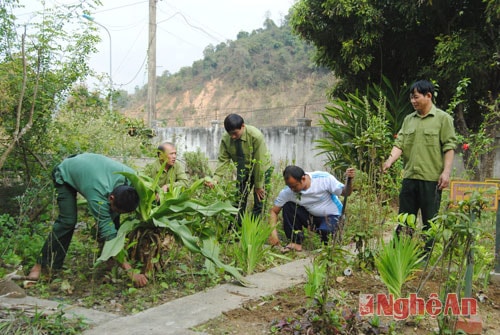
(491, 130)
(19, 131)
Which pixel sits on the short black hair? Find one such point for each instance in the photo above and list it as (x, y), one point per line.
(422, 87)
(126, 198)
(293, 171)
(233, 122)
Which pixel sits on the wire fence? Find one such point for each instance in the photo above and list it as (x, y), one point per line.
(260, 117)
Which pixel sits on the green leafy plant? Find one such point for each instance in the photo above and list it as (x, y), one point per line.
(177, 211)
(316, 275)
(197, 164)
(455, 232)
(254, 234)
(397, 261)
(360, 127)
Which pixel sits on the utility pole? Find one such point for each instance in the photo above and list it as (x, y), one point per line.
(151, 104)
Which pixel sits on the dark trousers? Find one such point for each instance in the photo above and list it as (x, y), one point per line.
(56, 246)
(420, 194)
(245, 184)
(296, 218)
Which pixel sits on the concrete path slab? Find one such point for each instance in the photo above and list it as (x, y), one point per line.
(91, 316)
(178, 316)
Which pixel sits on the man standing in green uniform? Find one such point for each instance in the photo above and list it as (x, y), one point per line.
(173, 171)
(245, 146)
(427, 144)
(108, 195)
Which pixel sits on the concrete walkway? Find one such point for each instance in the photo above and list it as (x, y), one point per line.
(178, 316)
(50, 306)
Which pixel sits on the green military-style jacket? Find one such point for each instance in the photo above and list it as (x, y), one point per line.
(424, 140)
(257, 159)
(175, 175)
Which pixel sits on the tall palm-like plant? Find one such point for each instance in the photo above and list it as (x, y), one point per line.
(254, 234)
(397, 261)
(346, 122)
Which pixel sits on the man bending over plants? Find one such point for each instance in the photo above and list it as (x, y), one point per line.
(108, 195)
(308, 194)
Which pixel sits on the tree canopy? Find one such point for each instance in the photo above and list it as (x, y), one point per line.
(362, 41)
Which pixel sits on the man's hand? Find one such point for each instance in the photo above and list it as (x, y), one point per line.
(209, 182)
(350, 172)
(273, 238)
(444, 181)
(386, 166)
(139, 279)
(395, 154)
(261, 193)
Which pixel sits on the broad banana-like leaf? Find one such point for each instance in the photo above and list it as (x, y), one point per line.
(176, 203)
(113, 247)
(210, 254)
(193, 206)
(180, 230)
(212, 245)
(146, 194)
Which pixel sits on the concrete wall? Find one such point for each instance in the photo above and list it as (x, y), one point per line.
(287, 145)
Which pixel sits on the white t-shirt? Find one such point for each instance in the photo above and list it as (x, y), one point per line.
(320, 199)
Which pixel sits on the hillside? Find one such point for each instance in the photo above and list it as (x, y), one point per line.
(267, 76)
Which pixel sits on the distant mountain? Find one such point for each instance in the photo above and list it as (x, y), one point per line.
(267, 76)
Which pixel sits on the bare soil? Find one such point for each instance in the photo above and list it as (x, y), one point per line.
(287, 312)
(290, 312)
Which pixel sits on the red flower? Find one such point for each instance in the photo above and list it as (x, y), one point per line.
(465, 146)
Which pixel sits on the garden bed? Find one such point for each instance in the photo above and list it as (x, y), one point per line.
(289, 311)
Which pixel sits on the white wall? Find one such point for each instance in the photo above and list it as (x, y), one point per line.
(287, 145)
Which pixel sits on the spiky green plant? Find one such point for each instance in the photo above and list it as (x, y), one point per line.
(397, 261)
(254, 234)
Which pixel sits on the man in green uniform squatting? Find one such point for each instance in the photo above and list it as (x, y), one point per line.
(108, 195)
(173, 173)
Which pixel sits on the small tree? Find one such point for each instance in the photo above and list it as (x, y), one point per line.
(36, 71)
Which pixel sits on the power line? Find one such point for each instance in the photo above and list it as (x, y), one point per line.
(123, 6)
(194, 20)
(178, 37)
(191, 25)
(128, 52)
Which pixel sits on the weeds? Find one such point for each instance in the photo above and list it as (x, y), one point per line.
(37, 322)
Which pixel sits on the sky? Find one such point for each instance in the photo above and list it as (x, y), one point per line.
(184, 29)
